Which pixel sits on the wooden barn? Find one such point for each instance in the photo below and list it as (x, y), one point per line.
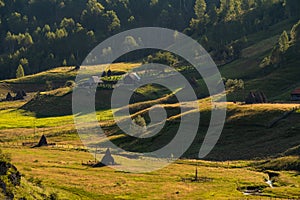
(295, 95)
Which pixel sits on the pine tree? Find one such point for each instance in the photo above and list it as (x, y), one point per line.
(27, 41)
(201, 15)
(295, 32)
(20, 72)
(200, 9)
(283, 42)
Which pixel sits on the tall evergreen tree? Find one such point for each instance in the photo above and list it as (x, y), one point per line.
(200, 9)
(20, 72)
(200, 12)
(295, 32)
(283, 41)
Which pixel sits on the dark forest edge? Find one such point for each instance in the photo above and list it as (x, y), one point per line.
(40, 35)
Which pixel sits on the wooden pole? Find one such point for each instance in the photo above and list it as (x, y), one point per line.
(96, 155)
(196, 173)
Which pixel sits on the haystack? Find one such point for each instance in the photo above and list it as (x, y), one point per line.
(24, 93)
(8, 97)
(108, 159)
(42, 142)
(109, 73)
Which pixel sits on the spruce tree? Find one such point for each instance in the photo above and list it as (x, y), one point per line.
(295, 32)
(20, 71)
(283, 42)
(200, 9)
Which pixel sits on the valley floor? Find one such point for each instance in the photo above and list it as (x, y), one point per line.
(61, 171)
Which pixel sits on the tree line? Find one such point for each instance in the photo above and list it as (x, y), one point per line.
(37, 35)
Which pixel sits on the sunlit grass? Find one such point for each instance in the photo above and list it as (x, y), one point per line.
(8, 105)
(123, 67)
(57, 74)
(53, 167)
(12, 118)
(116, 68)
(68, 73)
(15, 118)
(58, 92)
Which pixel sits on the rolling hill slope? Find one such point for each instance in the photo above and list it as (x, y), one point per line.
(250, 121)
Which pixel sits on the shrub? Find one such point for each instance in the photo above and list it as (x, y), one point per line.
(53, 196)
(140, 121)
(165, 58)
(4, 157)
(70, 84)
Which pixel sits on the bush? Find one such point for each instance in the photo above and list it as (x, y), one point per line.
(234, 84)
(165, 58)
(138, 126)
(70, 84)
(4, 157)
(140, 121)
(53, 196)
(265, 62)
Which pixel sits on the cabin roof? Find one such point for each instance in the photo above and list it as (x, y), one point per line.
(296, 91)
(134, 76)
(95, 79)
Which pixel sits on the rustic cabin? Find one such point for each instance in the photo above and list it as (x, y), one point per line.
(132, 78)
(295, 95)
(94, 80)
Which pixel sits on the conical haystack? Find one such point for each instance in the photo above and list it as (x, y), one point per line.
(42, 142)
(108, 159)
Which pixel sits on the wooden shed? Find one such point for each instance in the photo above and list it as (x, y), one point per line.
(256, 98)
(295, 95)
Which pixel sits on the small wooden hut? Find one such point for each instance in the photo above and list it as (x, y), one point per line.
(132, 78)
(295, 95)
(256, 98)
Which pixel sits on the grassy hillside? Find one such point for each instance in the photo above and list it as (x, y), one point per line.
(13, 185)
(276, 82)
(255, 138)
(247, 133)
(56, 78)
(246, 136)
